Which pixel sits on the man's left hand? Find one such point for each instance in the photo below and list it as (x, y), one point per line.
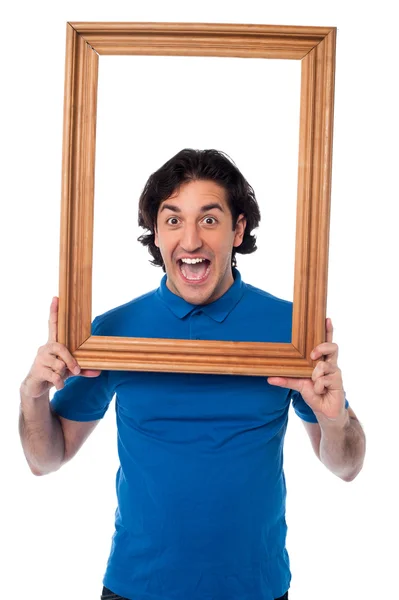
(324, 392)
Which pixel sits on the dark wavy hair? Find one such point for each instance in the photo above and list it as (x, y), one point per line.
(193, 165)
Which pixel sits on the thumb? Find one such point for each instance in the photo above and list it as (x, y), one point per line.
(291, 383)
(89, 373)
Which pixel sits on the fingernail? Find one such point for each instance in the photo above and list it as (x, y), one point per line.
(76, 370)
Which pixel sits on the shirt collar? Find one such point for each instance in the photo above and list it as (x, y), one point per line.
(217, 310)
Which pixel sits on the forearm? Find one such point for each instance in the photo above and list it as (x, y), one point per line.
(41, 434)
(342, 446)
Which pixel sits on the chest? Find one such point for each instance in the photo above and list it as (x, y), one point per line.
(155, 399)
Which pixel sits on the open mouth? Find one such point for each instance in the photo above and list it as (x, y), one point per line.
(194, 270)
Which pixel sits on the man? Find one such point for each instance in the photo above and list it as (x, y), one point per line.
(201, 489)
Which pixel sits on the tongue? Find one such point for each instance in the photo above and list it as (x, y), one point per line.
(195, 271)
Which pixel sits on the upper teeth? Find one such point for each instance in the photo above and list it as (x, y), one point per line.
(192, 261)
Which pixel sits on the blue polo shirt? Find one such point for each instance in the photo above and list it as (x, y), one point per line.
(201, 488)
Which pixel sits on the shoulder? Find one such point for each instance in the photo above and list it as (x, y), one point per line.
(110, 322)
(264, 299)
(259, 316)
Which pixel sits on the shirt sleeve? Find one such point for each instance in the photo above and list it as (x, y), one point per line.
(84, 398)
(303, 410)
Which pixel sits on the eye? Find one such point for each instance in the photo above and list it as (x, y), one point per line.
(210, 220)
(207, 220)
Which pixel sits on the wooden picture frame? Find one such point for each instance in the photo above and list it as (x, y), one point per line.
(315, 48)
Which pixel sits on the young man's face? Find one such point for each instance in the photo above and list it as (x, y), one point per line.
(196, 223)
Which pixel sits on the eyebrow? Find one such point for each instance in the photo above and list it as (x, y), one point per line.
(203, 209)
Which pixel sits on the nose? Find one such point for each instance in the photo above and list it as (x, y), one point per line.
(191, 238)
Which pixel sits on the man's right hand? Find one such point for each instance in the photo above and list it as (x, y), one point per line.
(53, 363)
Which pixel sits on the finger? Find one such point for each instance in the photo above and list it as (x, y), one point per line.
(51, 377)
(329, 330)
(56, 365)
(321, 385)
(327, 349)
(63, 353)
(323, 368)
(53, 320)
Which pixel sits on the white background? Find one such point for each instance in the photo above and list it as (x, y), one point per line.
(249, 108)
(56, 530)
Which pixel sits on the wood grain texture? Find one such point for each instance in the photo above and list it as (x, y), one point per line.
(201, 39)
(188, 356)
(315, 46)
(77, 203)
(314, 195)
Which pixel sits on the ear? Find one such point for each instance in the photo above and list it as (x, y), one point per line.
(156, 241)
(239, 231)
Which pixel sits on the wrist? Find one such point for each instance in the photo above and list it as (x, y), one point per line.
(27, 396)
(337, 424)
(24, 391)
